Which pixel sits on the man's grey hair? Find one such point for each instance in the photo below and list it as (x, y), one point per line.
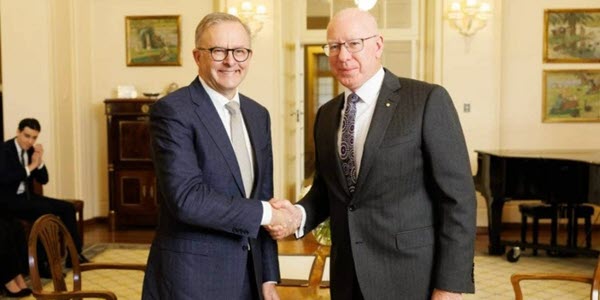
(217, 18)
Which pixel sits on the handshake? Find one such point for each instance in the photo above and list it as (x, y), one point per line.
(285, 220)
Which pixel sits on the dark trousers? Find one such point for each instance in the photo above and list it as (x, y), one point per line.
(36, 206)
(250, 290)
(13, 249)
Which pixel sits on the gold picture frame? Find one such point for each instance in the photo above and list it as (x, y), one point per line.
(572, 35)
(571, 96)
(153, 40)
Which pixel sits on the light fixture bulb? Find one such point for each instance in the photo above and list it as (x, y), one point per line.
(252, 15)
(365, 4)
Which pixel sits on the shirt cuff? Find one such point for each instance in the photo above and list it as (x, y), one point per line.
(27, 171)
(300, 232)
(267, 213)
(40, 166)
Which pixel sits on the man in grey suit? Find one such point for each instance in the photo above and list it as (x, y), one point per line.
(213, 159)
(393, 175)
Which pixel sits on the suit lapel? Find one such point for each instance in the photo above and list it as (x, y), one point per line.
(384, 111)
(330, 126)
(13, 151)
(210, 118)
(254, 126)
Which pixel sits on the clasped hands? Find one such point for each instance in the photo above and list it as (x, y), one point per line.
(36, 157)
(285, 220)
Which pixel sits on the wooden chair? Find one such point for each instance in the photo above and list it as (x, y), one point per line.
(593, 280)
(57, 242)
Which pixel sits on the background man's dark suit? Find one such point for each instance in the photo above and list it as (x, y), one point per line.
(205, 224)
(12, 174)
(410, 225)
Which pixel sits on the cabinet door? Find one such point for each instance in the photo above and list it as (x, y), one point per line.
(135, 197)
(134, 138)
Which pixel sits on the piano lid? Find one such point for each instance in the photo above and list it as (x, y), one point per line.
(591, 156)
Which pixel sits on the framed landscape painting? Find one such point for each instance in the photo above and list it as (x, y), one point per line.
(571, 96)
(152, 40)
(572, 35)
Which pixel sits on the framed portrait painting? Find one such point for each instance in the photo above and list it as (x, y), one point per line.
(571, 96)
(153, 40)
(572, 35)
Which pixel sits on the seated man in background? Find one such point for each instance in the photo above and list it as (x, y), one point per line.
(23, 163)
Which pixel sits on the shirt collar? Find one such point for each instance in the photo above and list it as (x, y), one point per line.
(218, 99)
(369, 91)
(19, 149)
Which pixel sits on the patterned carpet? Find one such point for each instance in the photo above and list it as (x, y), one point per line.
(492, 274)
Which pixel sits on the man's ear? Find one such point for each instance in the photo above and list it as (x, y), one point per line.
(379, 43)
(196, 54)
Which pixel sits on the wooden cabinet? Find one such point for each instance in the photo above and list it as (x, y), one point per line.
(131, 179)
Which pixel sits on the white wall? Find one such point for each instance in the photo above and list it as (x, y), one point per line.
(470, 72)
(499, 73)
(26, 56)
(521, 85)
(521, 109)
(61, 59)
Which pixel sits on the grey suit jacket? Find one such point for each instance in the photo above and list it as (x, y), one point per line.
(410, 225)
(201, 245)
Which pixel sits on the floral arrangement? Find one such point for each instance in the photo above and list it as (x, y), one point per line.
(323, 233)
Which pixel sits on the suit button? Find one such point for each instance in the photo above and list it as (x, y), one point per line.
(245, 247)
(351, 207)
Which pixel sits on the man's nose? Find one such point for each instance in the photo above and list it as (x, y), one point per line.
(344, 53)
(229, 59)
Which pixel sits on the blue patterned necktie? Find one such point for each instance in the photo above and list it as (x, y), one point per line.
(347, 144)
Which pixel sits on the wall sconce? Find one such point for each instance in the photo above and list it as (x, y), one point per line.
(365, 4)
(468, 16)
(253, 17)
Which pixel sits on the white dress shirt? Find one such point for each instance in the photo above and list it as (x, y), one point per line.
(21, 188)
(365, 108)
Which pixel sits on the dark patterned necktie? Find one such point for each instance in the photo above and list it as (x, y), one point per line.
(347, 144)
(23, 158)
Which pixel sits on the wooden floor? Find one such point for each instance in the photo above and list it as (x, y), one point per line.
(99, 233)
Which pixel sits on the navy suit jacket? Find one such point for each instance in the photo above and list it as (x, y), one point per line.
(201, 247)
(409, 227)
(12, 173)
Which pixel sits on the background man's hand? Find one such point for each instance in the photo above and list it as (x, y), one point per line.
(36, 157)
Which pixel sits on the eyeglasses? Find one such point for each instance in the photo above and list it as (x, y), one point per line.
(353, 46)
(220, 54)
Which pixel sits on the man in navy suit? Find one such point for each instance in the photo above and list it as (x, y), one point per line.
(393, 176)
(214, 193)
(23, 163)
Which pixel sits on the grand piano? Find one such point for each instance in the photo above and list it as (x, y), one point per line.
(553, 176)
